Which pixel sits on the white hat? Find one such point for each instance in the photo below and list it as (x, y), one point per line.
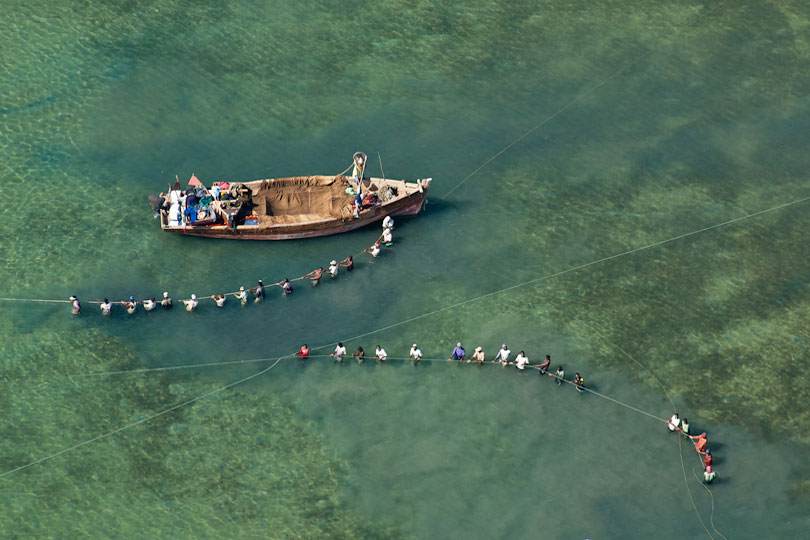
(414, 344)
(242, 288)
(458, 344)
(193, 296)
(333, 263)
(504, 345)
(165, 294)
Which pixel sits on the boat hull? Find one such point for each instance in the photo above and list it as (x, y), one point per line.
(409, 205)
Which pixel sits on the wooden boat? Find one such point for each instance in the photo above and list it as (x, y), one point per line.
(288, 208)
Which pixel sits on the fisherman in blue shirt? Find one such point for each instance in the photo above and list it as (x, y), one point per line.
(458, 353)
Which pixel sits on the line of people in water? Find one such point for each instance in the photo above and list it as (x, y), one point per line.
(243, 295)
(676, 424)
(459, 354)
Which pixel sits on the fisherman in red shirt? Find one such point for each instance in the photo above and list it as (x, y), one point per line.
(303, 353)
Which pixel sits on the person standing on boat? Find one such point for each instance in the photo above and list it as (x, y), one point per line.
(166, 302)
(241, 295)
(76, 307)
(106, 307)
(259, 294)
(359, 167)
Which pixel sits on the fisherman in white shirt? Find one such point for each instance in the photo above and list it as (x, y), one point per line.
(415, 354)
(106, 307)
(380, 355)
(242, 295)
(388, 223)
(333, 269)
(674, 422)
(149, 305)
(521, 361)
(339, 353)
(503, 355)
(388, 237)
(191, 305)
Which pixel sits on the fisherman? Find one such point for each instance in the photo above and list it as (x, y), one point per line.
(543, 367)
(333, 269)
(415, 355)
(219, 299)
(521, 361)
(701, 442)
(166, 302)
(242, 295)
(579, 382)
(559, 375)
(191, 305)
(149, 305)
(131, 305)
(685, 426)
(314, 276)
(380, 355)
(259, 294)
(374, 250)
(709, 475)
(286, 286)
(388, 223)
(348, 262)
(339, 353)
(458, 353)
(106, 307)
(477, 356)
(76, 307)
(360, 355)
(303, 353)
(388, 237)
(503, 355)
(674, 423)
(707, 459)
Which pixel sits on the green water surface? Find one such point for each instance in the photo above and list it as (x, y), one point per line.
(650, 120)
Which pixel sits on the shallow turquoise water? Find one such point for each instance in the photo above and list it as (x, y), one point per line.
(102, 104)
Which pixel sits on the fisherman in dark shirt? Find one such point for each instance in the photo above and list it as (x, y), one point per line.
(259, 294)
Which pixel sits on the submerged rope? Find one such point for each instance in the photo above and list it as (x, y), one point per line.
(141, 421)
